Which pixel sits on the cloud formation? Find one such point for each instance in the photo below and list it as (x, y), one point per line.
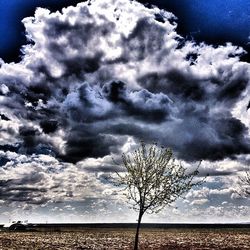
(40, 180)
(97, 77)
(100, 72)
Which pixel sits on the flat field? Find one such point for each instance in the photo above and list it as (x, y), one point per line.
(111, 239)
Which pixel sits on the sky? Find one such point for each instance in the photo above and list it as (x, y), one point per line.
(81, 85)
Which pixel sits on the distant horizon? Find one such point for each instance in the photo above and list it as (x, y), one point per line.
(134, 223)
(127, 222)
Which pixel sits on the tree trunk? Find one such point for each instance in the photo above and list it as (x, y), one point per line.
(137, 231)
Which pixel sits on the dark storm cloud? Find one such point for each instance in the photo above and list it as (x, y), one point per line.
(213, 135)
(174, 82)
(20, 190)
(31, 141)
(96, 74)
(49, 126)
(97, 112)
(35, 93)
(4, 117)
(85, 143)
(11, 148)
(139, 104)
(3, 160)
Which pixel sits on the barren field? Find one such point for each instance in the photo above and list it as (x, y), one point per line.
(110, 239)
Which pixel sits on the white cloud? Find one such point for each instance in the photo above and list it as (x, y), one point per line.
(199, 202)
(191, 97)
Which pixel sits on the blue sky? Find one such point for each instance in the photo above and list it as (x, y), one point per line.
(214, 21)
(11, 14)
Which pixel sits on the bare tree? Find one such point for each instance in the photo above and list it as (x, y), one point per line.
(153, 180)
(244, 187)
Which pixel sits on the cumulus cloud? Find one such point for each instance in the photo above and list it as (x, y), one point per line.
(95, 79)
(41, 179)
(100, 72)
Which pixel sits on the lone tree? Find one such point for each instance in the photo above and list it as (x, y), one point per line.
(153, 180)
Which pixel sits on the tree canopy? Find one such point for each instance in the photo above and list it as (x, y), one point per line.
(153, 180)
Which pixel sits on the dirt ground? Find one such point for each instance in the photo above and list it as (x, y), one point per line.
(100, 239)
